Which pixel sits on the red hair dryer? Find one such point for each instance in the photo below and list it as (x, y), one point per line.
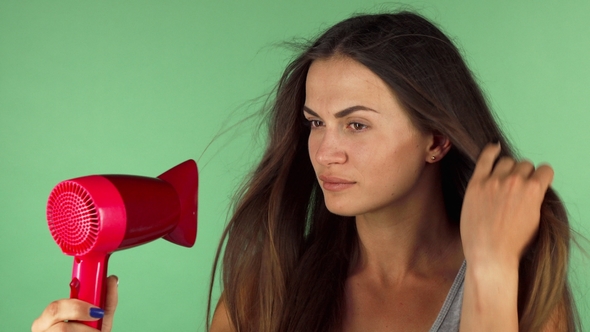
(92, 216)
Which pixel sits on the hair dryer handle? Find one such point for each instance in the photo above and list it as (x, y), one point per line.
(89, 280)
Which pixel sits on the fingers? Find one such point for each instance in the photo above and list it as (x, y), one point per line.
(62, 310)
(61, 315)
(524, 168)
(485, 162)
(506, 166)
(70, 327)
(544, 175)
(111, 303)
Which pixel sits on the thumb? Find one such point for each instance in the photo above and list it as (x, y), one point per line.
(111, 303)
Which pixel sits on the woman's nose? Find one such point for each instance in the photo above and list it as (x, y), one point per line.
(330, 150)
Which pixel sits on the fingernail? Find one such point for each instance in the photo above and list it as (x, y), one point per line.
(96, 313)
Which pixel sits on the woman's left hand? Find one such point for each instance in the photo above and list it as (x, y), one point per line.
(501, 209)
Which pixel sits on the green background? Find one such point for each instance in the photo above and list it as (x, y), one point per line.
(136, 87)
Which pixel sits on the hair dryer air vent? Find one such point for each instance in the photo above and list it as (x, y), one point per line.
(73, 220)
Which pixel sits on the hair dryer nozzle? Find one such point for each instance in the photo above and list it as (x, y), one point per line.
(185, 180)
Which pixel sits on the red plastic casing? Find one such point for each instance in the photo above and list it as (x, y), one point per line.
(92, 216)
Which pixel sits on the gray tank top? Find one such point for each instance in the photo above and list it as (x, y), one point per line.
(449, 317)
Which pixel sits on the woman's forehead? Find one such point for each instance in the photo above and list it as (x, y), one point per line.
(341, 82)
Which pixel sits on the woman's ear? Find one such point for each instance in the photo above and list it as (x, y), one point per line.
(439, 147)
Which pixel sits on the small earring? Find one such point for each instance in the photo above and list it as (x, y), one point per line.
(433, 157)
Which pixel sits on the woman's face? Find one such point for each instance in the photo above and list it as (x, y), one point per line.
(366, 153)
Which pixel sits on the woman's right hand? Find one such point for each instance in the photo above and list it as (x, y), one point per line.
(61, 315)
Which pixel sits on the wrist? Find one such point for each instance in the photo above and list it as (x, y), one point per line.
(493, 274)
(490, 299)
(487, 261)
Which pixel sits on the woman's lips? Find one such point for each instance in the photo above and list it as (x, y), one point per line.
(332, 183)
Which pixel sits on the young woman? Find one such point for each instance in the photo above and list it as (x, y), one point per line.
(387, 200)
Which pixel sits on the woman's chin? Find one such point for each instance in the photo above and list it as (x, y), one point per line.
(341, 210)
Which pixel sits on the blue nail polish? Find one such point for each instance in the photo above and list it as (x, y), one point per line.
(96, 312)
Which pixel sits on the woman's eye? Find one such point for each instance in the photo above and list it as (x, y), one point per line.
(315, 123)
(357, 126)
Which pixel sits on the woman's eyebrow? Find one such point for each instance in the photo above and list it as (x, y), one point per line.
(344, 112)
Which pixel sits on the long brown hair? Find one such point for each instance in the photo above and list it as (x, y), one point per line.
(286, 257)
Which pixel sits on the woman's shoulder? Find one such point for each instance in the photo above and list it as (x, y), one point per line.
(221, 321)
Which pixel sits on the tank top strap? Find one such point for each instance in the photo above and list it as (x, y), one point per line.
(449, 317)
